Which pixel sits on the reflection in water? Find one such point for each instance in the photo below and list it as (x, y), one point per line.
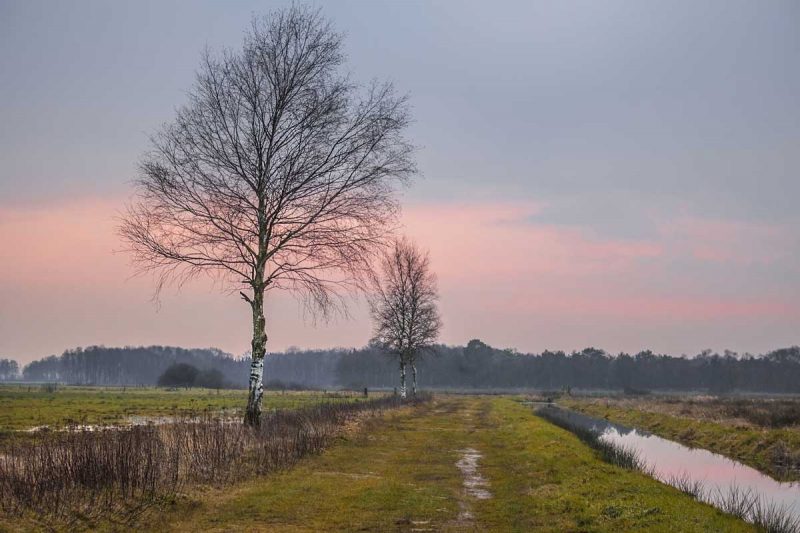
(676, 464)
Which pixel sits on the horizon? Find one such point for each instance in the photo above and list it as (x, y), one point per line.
(618, 175)
(301, 350)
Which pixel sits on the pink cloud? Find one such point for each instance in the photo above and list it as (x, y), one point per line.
(517, 266)
(727, 241)
(471, 241)
(62, 285)
(503, 277)
(656, 306)
(69, 243)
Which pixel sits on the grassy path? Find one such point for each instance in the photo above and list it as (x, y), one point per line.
(399, 473)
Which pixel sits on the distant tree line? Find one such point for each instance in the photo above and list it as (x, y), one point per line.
(479, 366)
(475, 366)
(99, 365)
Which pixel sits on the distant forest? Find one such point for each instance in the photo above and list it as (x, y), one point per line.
(475, 366)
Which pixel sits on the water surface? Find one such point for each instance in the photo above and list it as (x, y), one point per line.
(670, 462)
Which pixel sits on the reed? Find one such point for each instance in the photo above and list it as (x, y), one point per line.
(767, 516)
(684, 483)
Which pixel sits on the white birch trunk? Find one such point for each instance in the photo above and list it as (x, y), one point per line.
(403, 379)
(252, 415)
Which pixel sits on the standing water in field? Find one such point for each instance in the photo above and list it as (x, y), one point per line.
(475, 485)
(724, 483)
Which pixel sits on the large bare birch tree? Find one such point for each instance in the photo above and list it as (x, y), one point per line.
(404, 305)
(279, 173)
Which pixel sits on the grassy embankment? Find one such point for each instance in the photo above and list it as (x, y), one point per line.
(769, 450)
(23, 407)
(399, 473)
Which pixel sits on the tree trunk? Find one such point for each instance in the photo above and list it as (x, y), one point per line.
(413, 379)
(403, 379)
(252, 416)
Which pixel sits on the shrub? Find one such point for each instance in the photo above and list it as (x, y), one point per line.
(210, 379)
(178, 375)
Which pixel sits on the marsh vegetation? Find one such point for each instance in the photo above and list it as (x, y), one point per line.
(76, 477)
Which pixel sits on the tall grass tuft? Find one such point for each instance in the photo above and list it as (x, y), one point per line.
(746, 505)
(774, 518)
(684, 483)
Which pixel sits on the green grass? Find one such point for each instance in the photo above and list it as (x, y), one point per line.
(23, 407)
(750, 445)
(399, 473)
(545, 479)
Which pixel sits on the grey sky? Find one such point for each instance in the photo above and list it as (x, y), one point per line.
(624, 120)
(693, 102)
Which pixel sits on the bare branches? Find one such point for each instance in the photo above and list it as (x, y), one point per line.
(279, 172)
(404, 304)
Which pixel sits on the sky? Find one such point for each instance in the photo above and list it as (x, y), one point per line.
(615, 174)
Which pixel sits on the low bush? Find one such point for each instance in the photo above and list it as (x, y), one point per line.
(178, 375)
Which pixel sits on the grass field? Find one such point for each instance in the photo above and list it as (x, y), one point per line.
(722, 426)
(24, 407)
(397, 472)
(400, 473)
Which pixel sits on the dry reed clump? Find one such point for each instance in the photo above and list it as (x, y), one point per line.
(763, 412)
(768, 413)
(79, 476)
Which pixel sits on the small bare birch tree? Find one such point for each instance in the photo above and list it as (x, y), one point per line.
(279, 173)
(404, 307)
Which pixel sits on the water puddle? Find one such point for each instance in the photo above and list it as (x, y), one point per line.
(710, 477)
(72, 428)
(475, 485)
(136, 420)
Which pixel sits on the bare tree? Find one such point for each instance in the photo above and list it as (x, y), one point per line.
(404, 307)
(279, 173)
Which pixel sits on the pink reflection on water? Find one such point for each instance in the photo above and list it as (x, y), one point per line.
(718, 474)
